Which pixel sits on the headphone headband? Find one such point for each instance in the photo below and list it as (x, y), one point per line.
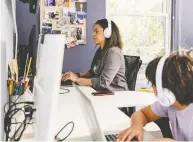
(159, 73)
(165, 96)
(109, 24)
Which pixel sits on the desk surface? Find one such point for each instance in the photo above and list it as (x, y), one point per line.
(70, 104)
(121, 98)
(105, 115)
(71, 110)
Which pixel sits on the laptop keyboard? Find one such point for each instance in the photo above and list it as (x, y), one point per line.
(111, 137)
(67, 83)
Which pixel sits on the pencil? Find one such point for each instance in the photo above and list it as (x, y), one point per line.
(28, 66)
(25, 66)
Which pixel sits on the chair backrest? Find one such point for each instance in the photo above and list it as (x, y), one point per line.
(132, 66)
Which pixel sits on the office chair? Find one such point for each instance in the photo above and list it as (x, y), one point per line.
(132, 66)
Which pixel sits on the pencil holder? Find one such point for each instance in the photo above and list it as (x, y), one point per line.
(27, 96)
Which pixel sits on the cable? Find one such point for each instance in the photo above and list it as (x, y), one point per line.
(17, 98)
(57, 138)
(67, 91)
(7, 121)
(9, 115)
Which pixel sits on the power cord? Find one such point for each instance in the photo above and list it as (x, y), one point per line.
(15, 108)
(66, 91)
(57, 138)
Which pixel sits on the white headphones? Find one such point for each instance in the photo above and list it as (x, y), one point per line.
(165, 96)
(108, 30)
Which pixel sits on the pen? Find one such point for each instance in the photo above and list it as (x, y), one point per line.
(26, 84)
(14, 87)
(25, 67)
(10, 87)
(21, 89)
(18, 88)
(29, 66)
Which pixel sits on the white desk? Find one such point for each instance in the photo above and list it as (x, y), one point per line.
(124, 99)
(70, 110)
(121, 98)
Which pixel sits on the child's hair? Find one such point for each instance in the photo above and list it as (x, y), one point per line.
(177, 76)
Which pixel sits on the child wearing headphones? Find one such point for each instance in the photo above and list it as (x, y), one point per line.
(172, 81)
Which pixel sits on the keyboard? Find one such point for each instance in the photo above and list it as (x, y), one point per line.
(67, 83)
(111, 137)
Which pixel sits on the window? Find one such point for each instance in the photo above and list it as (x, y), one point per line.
(145, 29)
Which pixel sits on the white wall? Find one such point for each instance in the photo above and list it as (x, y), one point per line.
(6, 45)
(7, 27)
(184, 13)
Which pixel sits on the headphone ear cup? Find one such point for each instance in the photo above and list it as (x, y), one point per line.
(166, 98)
(171, 97)
(107, 33)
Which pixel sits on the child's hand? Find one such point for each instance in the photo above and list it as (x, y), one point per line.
(130, 133)
(164, 139)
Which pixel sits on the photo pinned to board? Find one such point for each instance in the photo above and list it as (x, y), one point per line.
(46, 27)
(70, 13)
(49, 2)
(62, 23)
(52, 13)
(56, 31)
(81, 8)
(63, 3)
(74, 36)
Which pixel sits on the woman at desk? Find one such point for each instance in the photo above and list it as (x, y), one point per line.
(108, 66)
(172, 81)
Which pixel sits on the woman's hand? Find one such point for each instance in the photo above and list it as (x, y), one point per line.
(70, 76)
(130, 133)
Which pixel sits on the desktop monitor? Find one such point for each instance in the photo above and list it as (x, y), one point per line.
(31, 50)
(32, 5)
(32, 47)
(47, 85)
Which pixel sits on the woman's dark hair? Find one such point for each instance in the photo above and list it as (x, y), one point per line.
(177, 76)
(115, 39)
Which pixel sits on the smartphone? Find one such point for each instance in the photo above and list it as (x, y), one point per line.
(102, 93)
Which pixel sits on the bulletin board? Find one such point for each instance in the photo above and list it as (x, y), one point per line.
(66, 17)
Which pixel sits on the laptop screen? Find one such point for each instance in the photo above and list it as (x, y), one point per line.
(91, 117)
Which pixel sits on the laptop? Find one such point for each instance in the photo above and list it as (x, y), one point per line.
(92, 121)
